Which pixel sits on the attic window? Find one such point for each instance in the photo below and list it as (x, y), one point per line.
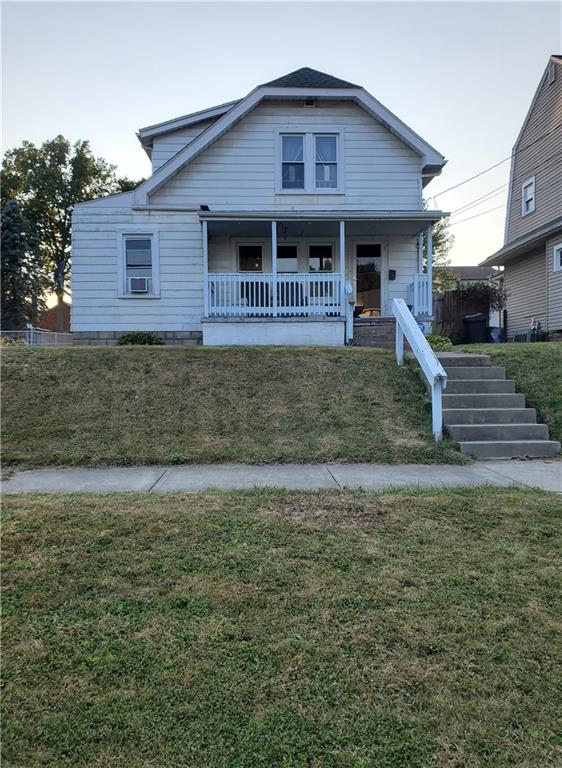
(551, 72)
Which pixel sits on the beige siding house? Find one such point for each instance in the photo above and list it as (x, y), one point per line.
(532, 252)
(277, 218)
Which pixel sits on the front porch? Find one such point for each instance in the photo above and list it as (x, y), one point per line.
(303, 280)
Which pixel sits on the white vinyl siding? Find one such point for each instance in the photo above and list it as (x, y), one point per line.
(97, 232)
(238, 171)
(166, 146)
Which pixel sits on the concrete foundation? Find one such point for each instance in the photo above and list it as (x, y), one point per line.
(281, 331)
(107, 338)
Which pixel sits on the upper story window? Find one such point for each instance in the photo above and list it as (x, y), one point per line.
(557, 263)
(310, 162)
(293, 162)
(528, 196)
(139, 266)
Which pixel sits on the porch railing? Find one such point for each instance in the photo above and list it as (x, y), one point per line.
(281, 295)
(432, 369)
(420, 296)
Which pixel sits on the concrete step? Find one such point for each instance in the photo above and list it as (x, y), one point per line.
(459, 359)
(510, 449)
(480, 386)
(493, 400)
(495, 432)
(489, 416)
(474, 372)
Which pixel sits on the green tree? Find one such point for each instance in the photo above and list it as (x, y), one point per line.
(46, 181)
(442, 242)
(23, 279)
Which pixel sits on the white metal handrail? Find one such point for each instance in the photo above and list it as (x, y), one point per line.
(433, 371)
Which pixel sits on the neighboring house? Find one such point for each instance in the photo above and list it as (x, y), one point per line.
(56, 318)
(269, 220)
(532, 252)
(467, 276)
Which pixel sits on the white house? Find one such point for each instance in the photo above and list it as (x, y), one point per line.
(275, 219)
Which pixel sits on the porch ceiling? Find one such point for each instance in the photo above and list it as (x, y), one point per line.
(324, 227)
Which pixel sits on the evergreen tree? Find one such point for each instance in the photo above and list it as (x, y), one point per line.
(23, 280)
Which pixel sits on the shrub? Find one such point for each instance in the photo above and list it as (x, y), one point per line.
(144, 338)
(439, 343)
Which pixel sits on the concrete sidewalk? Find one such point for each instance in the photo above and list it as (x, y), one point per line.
(546, 475)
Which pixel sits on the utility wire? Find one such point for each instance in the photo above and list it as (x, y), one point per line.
(472, 203)
(500, 162)
(476, 215)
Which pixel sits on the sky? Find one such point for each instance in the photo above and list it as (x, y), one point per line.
(462, 75)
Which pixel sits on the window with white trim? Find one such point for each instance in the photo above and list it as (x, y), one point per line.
(557, 260)
(310, 162)
(250, 258)
(287, 259)
(528, 196)
(139, 273)
(320, 258)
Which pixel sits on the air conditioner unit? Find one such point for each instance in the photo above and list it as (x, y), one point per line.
(139, 284)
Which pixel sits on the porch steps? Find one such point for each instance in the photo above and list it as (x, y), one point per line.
(374, 332)
(484, 414)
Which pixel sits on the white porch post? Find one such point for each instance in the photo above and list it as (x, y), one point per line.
(430, 269)
(274, 265)
(343, 294)
(420, 254)
(205, 241)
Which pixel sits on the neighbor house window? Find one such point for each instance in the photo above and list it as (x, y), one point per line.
(293, 162)
(320, 258)
(250, 258)
(528, 196)
(139, 265)
(287, 258)
(557, 257)
(310, 162)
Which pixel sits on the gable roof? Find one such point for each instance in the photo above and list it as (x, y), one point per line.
(432, 160)
(305, 77)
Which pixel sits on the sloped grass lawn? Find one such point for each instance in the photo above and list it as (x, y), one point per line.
(150, 405)
(537, 369)
(260, 629)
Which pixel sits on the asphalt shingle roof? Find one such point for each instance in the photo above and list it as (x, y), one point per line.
(309, 78)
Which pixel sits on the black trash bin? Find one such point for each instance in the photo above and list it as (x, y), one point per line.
(475, 328)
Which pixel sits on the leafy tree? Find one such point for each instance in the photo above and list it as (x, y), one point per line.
(126, 185)
(46, 181)
(23, 280)
(444, 277)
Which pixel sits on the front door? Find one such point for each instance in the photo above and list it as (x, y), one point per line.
(368, 268)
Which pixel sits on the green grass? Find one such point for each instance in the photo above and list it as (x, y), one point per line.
(269, 628)
(537, 370)
(149, 405)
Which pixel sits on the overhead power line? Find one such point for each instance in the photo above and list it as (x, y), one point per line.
(476, 215)
(500, 162)
(483, 198)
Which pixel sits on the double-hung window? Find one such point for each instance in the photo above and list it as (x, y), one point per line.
(326, 150)
(557, 263)
(293, 161)
(139, 273)
(310, 162)
(528, 196)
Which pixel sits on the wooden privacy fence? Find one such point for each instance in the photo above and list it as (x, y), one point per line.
(450, 308)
